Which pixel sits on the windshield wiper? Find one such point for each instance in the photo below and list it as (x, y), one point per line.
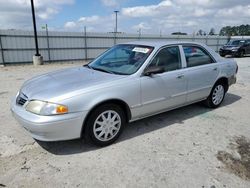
(102, 70)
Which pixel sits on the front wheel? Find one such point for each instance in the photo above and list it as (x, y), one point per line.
(241, 53)
(216, 96)
(105, 124)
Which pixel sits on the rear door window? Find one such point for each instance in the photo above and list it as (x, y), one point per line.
(196, 56)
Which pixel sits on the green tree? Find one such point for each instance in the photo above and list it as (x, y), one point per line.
(241, 30)
(212, 31)
(200, 32)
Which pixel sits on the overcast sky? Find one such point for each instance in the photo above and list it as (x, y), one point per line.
(150, 16)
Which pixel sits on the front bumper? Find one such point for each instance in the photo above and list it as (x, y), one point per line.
(50, 128)
(224, 52)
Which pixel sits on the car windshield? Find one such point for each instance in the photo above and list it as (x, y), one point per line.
(236, 42)
(122, 59)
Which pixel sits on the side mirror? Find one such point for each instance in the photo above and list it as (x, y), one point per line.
(153, 70)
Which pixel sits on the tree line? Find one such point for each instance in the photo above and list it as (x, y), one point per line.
(242, 30)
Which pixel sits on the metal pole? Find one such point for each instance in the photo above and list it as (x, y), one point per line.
(1, 48)
(34, 25)
(217, 45)
(116, 12)
(193, 37)
(85, 43)
(114, 38)
(47, 36)
(139, 33)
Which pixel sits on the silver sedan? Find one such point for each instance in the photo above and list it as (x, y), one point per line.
(127, 82)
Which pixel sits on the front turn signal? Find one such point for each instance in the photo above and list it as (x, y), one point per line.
(61, 109)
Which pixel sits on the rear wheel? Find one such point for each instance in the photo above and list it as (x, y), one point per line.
(105, 124)
(216, 96)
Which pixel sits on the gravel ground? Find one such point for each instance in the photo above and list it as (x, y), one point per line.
(189, 147)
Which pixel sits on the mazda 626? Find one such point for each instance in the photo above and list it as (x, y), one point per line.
(128, 82)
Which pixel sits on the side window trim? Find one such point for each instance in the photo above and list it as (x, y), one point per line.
(197, 46)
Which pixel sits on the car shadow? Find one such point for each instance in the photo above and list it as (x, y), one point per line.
(137, 128)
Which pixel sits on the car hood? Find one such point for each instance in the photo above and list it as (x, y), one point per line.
(230, 46)
(62, 84)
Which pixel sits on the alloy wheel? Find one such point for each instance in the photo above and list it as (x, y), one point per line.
(218, 94)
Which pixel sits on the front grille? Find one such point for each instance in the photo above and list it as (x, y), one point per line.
(21, 99)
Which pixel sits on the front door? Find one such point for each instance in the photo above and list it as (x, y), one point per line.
(168, 89)
(247, 47)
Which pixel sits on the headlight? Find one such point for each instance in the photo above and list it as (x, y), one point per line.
(46, 108)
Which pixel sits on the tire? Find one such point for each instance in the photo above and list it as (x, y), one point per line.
(241, 53)
(216, 96)
(105, 124)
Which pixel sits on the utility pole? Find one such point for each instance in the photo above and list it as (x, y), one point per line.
(116, 12)
(37, 58)
(139, 31)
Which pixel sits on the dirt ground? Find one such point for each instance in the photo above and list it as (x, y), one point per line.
(189, 147)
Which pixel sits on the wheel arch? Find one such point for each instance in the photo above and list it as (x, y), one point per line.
(223, 80)
(119, 102)
(243, 49)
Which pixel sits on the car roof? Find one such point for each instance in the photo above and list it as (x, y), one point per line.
(159, 44)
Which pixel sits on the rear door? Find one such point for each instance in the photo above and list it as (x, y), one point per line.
(201, 72)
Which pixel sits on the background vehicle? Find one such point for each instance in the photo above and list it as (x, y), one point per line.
(236, 48)
(128, 82)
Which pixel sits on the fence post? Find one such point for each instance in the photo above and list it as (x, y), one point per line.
(48, 48)
(115, 38)
(193, 37)
(1, 49)
(85, 43)
(206, 39)
(217, 44)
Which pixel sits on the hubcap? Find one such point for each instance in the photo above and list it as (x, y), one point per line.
(218, 94)
(107, 125)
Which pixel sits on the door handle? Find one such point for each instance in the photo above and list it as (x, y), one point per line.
(180, 76)
(215, 69)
